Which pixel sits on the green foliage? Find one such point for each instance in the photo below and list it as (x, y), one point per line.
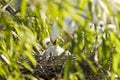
(94, 41)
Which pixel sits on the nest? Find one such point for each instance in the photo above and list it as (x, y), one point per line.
(53, 67)
(47, 69)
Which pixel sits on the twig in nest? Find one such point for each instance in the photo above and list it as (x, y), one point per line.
(43, 71)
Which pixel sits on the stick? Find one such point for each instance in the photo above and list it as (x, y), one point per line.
(8, 7)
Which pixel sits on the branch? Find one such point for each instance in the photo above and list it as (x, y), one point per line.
(8, 7)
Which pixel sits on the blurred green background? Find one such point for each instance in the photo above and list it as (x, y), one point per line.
(88, 29)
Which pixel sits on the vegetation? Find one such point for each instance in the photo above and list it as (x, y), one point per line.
(86, 31)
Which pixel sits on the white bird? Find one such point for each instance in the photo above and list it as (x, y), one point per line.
(53, 51)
